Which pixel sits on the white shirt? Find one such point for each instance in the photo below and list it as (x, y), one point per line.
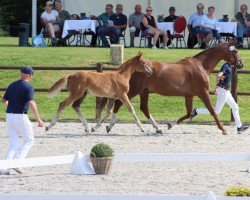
(49, 16)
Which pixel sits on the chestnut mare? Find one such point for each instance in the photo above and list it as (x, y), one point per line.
(112, 85)
(188, 77)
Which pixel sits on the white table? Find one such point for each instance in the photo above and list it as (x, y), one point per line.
(164, 26)
(79, 25)
(227, 27)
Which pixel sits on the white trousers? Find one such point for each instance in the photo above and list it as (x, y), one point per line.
(224, 96)
(19, 125)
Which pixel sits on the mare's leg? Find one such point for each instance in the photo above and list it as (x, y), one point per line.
(76, 107)
(207, 101)
(62, 105)
(144, 109)
(108, 112)
(189, 108)
(131, 109)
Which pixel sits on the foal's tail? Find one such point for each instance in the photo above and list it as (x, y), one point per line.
(57, 87)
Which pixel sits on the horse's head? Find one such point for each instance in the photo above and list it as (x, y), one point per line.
(141, 66)
(232, 54)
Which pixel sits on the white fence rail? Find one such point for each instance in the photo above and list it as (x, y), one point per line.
(210, 196)
(131, 158)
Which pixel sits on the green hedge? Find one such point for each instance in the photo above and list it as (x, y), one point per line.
(238, 191)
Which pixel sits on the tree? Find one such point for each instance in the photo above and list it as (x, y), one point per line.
(13, 12)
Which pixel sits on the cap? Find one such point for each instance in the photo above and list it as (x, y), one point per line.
(58, 1)
(48, 3)
(27, 70)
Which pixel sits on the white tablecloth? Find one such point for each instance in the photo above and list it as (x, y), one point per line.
(222, 27)
(79, 25)
(227, 27)
(164, 26)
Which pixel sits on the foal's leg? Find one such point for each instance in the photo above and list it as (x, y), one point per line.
(62, 105)
(118, 103)
(117, 106)
(144, 109)
(189, 108)
(207, 101)
(76, 107)
(131, 109)
(108, 112)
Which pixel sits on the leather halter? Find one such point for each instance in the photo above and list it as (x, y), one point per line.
(231, 50)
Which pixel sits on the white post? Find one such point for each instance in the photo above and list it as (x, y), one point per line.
(34, 17)
(116, 54)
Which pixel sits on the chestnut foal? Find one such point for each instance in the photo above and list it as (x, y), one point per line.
(112, 85)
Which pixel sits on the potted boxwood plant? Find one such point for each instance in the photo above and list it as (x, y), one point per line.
(101, 156)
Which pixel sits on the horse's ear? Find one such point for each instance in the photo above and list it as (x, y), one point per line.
(139, 55)
(232, 41)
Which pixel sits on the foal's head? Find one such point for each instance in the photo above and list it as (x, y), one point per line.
(232, 54)
(140, 65)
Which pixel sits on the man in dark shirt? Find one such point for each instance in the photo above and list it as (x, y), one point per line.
(243, 24)
(120, 24)
(171, 18)
(63, 15)
(224, 96)
(18, 97)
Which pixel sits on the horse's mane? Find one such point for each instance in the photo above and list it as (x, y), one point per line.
(205, 51)
(118, 68)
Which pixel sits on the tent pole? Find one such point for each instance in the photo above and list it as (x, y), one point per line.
(236, 4)
(34, 17)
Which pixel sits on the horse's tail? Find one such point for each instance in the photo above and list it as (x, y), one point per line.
(57, 87)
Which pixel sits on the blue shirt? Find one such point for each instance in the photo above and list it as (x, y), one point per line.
(195, 20)
(19, 93)
(104, 17)
(211, 23)
(227, 74)
(119, 19)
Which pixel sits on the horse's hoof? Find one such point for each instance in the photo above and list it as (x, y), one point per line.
(159, 132)
(170, 125)
(107, 129)
(87, 131)
(224, 132)
(92, 130)
(46, 128)
(142, 130)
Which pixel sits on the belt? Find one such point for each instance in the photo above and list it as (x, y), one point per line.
(224, 87)
(17, 112)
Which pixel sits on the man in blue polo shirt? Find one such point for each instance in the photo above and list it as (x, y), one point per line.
(224, 96)
(193, 26)
(18, 97)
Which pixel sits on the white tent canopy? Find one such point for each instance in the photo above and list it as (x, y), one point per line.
(183, 7)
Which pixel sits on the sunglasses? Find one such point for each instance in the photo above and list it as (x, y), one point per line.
(149, 10)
